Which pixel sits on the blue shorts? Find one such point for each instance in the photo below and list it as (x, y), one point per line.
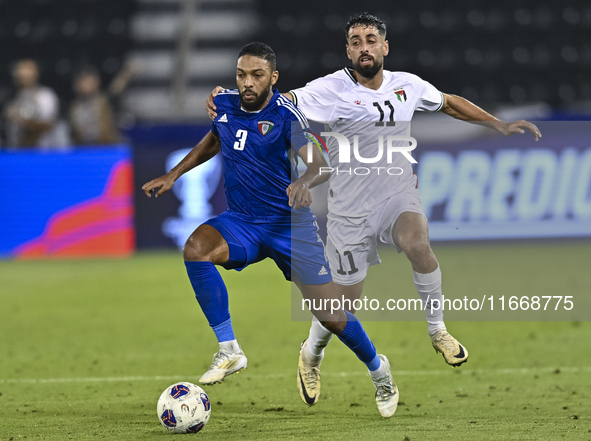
(294, 245)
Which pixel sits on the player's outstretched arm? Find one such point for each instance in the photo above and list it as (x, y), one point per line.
(206, 149)
(462, 109)
(299, 191)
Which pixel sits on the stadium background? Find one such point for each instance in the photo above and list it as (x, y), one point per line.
(527, 60)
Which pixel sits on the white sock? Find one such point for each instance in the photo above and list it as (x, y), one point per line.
(429, 288)
(317, 341)
(379, 372)
(230, 346)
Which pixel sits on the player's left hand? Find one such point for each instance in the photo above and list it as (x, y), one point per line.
(158, 185)
(299, 195)
(520, 127)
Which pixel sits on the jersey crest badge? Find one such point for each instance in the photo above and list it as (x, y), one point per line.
(265, 127)
(401, 95)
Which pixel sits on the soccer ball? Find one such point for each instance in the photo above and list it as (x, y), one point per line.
(184, 408)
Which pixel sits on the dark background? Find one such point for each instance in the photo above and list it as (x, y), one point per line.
(504, 56)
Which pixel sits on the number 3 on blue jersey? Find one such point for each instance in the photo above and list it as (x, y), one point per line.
(241, 135)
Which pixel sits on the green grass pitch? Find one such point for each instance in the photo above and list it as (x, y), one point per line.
(87, 347)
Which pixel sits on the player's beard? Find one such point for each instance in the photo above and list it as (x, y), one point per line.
(368, 71)
(258, 102)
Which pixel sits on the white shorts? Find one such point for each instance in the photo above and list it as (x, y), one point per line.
(351, 243)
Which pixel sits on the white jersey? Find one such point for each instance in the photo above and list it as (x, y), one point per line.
(359, 187)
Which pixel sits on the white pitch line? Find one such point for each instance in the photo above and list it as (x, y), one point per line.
(517, 371)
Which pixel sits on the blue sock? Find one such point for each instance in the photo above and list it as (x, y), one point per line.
(212, 296)
(356, 339)
(224, 331)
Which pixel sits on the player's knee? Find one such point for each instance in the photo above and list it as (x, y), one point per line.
(415, 244)
(196, 251)
(334, 327)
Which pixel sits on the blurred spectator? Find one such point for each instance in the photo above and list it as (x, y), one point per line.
(92, 118)
(32, 116)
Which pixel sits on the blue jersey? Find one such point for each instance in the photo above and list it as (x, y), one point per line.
(257, 156)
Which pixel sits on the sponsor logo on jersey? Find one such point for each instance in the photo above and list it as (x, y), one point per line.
(224, 118)
(400, 94)
(322, 271)
(359, 103)
(265, 127)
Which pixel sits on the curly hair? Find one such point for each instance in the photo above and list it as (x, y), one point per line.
(260, 50)
(366, 19)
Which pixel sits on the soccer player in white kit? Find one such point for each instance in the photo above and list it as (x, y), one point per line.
(384, 204)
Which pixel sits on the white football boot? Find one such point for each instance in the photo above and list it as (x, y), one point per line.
(224, 363)
(386, 391)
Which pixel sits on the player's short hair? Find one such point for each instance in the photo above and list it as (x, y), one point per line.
(365, 19)
(260, 50)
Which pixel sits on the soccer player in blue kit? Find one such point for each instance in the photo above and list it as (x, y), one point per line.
(268, 215)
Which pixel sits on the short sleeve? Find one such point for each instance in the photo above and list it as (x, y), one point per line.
(214, 129)
(220, 113)
(299, 136)
(317, 99)
(297, 128)
(431, 99)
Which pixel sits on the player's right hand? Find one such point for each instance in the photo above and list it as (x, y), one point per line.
(209, 105)
(299, 194)
(520, 127)
(161, 184)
